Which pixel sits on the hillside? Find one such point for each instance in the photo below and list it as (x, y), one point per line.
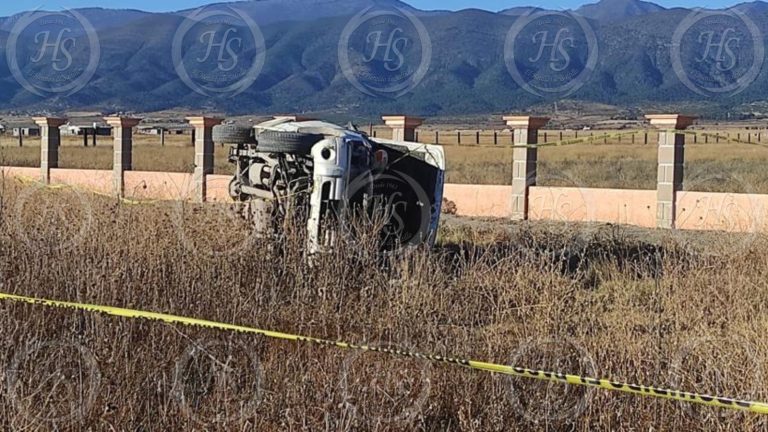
(617, 10)
(468, 72)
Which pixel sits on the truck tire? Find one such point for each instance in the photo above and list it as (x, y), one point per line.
(232, 134)
(287, 142)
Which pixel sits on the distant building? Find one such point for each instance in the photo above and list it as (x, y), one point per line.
(86, 126)
(31, 130)
(169, 128)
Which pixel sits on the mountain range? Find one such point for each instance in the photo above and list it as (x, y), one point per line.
(468, 72)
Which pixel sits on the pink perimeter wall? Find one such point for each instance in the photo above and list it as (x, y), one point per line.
(695, 210)
(33, 173)
(634, 207)
(158, 185)
(722, 211)
(480, 200)
(92, 180)
(631, 207)
(218, 188)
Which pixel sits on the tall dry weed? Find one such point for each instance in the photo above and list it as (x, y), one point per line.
(641, 306)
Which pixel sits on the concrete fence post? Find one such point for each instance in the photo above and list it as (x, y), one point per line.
(525, 132)
(671, 161)
(403, 127)
(49, 146)
(122, 150)
(204, 149)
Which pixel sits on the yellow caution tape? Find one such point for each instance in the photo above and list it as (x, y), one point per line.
(590, 138)
(565, 142)
(572, 141)
(717, 137)
(28, 180)
(681, 396)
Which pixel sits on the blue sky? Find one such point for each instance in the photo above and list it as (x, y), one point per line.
(9, 7)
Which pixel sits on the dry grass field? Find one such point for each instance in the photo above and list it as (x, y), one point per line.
(710, 167)
(670, 309)
(177, 156)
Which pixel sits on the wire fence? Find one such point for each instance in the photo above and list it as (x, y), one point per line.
(485, 137)
(505, 137)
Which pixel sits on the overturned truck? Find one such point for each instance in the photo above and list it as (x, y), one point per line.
(325, 174)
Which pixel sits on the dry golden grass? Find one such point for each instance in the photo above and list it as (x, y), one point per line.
(723, 167)
(737, 168)
(642, 306)
(177, 155)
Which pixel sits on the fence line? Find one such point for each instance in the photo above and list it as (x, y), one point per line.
(669, 206)
(499, 137)
(505, 137)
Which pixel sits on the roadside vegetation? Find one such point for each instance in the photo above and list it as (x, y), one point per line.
(681, 310)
